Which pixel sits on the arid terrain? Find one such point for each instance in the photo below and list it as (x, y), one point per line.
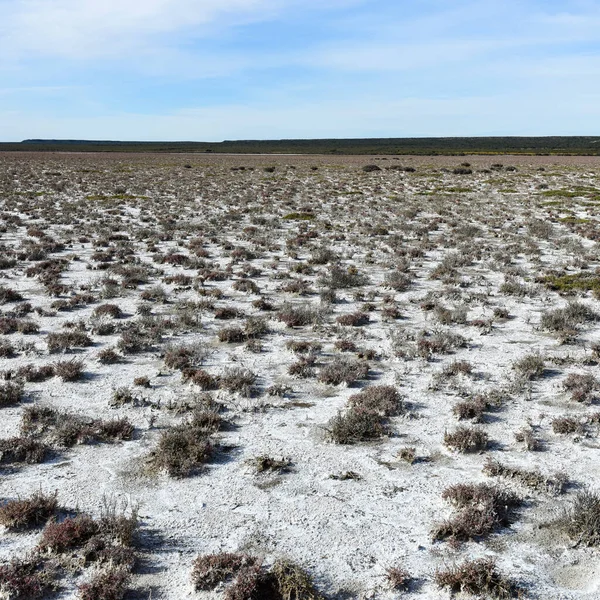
(299, 377)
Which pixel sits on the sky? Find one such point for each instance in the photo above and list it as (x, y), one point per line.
(211, 70)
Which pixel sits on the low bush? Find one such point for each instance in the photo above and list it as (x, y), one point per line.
(28, 513)
(343, 371)
(60, 341)
(481, 509)
(69, 370)
(23, 450)
(581, 520)
(384, 400)
(476, 577)
(353, 426)
(466, 439)
(582, 386)
(29, 579)
(10, 394)
(109, 583)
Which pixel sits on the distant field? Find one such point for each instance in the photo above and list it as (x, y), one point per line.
(557, 145)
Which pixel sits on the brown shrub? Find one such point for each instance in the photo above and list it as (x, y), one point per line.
(466, 439)
(476, 577)
(28, 513)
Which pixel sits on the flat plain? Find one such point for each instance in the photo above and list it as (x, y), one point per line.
(299, 377)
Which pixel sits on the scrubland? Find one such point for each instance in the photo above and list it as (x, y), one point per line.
(299, 377)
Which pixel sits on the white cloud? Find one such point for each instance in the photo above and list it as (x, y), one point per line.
(79, 29)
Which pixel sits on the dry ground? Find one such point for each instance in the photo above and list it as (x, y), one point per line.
(297, 358)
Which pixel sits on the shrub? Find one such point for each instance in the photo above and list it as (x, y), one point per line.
(356, 319)
(466, 439)
(37, 374)
(210, 570)
(384, 400)
(22, 450)
(355, 425)
(184, 357)
(108, 584)
(370, 168)
(303, 368)
(476, 577)
(69, 370)
(482, 508)
(64, 341)
(564, 425)
(10, 394)
(298, 316)
(29, 579)
(182, 450)
(72, 532)
(343, 371)
(530, 366)
(581, 521)
(28, 513)
(581, 386)
(238, 379)
(340, 278)
(231, 335)
(9, 295)
(398, 578)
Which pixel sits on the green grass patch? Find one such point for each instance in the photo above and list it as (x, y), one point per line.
(575, 282)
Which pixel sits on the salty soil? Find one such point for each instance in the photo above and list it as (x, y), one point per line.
(299, 358)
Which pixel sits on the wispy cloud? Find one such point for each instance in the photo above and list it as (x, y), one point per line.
(207, 69)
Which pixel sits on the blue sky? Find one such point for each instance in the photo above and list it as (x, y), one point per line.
(263, 69)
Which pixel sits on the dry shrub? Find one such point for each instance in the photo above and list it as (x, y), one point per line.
(108, 584)
(384, 400)
(581, 521)
(210, 570)
(28, 513)
(9, 295)
(204, 380)
(69, 370)
(565, 425)
(356, 319)
(398, 578)
(10, 394)
(238, 380)
(298, 316)
(355, 425)
(63, 341)
(32, 373)
(554, 484)
(530, 367)
(29, 579)
(466, 439)
(476, 577)
(72, 532)
(582, 386)
(182, 450)
(343, 371)
(23, 450)
(303, 346)
(482, 508)
(183, 356)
